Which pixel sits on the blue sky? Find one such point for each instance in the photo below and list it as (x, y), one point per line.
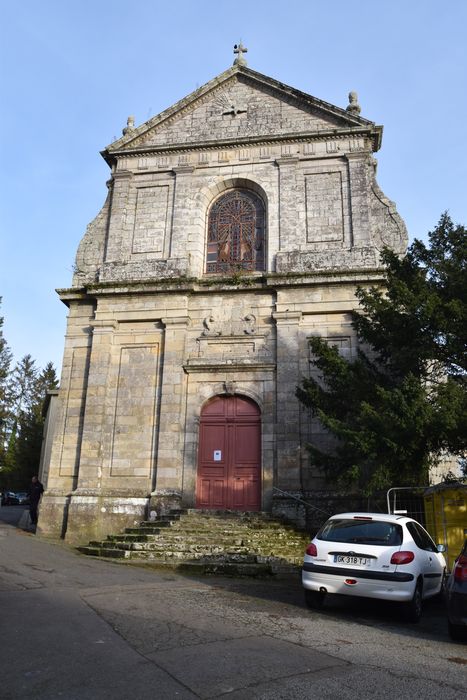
(73, 70)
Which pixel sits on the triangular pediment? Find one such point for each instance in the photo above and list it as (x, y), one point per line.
(240, 105)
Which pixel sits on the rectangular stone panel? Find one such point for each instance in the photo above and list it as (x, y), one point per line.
(324, 207)
(135, 411)
(343, 344)
(150, 219)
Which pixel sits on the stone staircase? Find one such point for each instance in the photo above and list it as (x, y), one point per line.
(210, 542)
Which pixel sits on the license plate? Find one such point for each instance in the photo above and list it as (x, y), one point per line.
(351, 559)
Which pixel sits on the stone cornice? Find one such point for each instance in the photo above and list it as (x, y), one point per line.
(241, 284)
(374, 134)
(73, 294)
(233, 364)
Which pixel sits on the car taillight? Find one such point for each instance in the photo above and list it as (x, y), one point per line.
(460, 569)
(402, 558)
(311, 550)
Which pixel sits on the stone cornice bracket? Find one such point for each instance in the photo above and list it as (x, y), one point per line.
(355, 155)
(103, 326)
(287, 316)
(122, 175)
(179, 322)
(287, 160)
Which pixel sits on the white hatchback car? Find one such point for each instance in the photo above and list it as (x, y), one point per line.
(374, 555)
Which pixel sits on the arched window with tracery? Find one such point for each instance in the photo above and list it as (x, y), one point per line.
(236, 235)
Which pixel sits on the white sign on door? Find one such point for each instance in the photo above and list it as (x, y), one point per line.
(217, 455)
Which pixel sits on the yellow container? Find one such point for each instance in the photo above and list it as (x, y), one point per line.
(446, 516)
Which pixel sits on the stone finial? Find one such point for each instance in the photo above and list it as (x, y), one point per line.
(130, 126)
(240, 50)
(353, 105)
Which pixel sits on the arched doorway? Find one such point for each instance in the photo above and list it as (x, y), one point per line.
(229, 455)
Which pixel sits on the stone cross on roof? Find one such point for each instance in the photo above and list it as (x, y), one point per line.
(240, 50)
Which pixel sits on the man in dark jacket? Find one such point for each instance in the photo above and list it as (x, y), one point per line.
(35, 492)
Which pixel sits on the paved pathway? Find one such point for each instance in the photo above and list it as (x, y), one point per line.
(82, 629)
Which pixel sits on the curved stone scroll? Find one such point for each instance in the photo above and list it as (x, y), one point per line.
(90, 254)
(387, 226)
(250, 321)
(210, 326)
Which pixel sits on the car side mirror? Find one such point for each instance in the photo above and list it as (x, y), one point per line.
(441, 548)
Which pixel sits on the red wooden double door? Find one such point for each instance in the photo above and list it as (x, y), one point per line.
(229, 458)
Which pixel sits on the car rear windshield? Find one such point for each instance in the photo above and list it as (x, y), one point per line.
(375, 532)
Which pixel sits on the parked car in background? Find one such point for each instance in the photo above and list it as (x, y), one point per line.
(374, 555)
(9, 498)
(456, 597)
(22, 497)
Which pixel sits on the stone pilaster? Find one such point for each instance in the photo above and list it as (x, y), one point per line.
(359, 186)
(119, 238)
(93, 510)
(289, 227)
(62, 469)
(287, 406)
(95, 436)
(182, 211)
(169, 473)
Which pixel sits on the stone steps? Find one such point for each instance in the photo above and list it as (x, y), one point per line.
(205, 548)
(237, 537)
(228, 543)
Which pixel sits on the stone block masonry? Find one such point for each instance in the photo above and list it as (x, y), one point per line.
(154, 341)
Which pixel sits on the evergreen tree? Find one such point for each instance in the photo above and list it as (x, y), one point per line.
(22, 394)
(33, 387)
(402, 402)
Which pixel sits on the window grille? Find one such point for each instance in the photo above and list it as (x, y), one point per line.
(236, 233)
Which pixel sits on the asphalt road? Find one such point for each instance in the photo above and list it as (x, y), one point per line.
(82, 629)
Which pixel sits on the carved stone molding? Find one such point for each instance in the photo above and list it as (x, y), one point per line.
(176, 322)
(210, 327)
(230, 387)
(250, 321)
(103, 325)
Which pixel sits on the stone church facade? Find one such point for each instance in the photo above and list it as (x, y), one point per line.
(238, 224)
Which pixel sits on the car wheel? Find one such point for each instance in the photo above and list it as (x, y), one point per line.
(457, 632)
(314, 599)
(413, 609)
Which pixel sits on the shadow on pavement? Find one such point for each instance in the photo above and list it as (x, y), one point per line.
(18, 516)
(363, 611)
